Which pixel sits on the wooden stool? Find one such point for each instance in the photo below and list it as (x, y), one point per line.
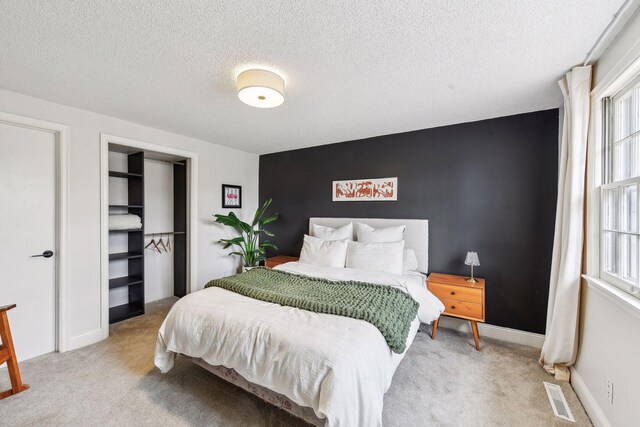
(8, 354)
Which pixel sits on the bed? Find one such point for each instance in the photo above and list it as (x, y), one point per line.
(326, 369)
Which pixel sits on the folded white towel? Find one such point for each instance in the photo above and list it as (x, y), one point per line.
(124, 222)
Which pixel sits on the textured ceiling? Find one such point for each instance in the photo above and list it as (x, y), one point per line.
(353, 69)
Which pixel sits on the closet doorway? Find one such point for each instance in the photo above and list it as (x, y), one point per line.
(147, 225)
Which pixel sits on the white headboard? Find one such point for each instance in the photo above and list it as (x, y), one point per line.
(416, 235)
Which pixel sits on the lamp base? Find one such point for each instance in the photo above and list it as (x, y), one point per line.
(472, 280)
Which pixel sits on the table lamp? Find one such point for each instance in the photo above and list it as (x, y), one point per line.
(472, 260)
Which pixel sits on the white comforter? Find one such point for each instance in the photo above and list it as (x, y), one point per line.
(338, 366)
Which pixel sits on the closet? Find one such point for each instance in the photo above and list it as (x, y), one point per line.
(147, 229)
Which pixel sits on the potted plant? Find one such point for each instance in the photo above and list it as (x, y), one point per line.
(252, 251)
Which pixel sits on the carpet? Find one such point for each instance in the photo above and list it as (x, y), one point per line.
(439, 383)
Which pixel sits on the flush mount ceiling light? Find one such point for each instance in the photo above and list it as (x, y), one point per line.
(260, 88)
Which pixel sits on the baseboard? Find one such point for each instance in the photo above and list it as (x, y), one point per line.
(588, 401)
(85, 339)
(496, 332)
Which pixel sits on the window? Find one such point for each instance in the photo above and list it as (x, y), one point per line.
(620, 239)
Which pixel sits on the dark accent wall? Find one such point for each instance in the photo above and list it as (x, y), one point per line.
(488, 186)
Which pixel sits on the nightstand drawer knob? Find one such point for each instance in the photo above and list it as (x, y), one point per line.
(453, 292)
(453, 307)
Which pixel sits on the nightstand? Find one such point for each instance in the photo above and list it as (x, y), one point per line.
(461, 299)
(280, 259)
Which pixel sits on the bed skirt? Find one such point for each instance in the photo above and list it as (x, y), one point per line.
(279, 400)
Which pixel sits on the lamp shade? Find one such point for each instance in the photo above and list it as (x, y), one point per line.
(260, 88)
(472, 259)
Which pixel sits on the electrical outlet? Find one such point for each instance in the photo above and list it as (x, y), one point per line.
(610, 390)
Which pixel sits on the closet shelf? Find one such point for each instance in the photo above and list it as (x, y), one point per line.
(124, 311)
(125, 255)
(116, 174)
(120, 282)
(131, 201)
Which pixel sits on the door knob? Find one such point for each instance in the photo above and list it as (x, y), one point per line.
(45, 254)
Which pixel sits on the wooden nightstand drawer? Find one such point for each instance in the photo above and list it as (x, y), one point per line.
(462, 308)
(456, 292)
(461, 299)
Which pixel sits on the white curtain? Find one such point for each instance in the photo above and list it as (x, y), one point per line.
(561, 340)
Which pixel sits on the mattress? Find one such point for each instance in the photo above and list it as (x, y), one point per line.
(338, 366)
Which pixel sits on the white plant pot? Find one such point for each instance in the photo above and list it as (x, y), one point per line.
(245, 268)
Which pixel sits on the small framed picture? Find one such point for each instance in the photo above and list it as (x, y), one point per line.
(231, 196)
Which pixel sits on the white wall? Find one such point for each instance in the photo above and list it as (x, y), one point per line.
(626, 44)
(609, 350)
(609, 335)
(217, 165)
(158, 216)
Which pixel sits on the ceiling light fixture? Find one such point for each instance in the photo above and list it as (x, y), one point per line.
(260, 88)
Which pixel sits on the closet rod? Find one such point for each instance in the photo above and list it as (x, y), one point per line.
(165, 232)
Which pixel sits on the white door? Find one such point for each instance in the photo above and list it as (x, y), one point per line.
(28, 227)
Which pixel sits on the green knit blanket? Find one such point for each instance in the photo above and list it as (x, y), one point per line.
(387, 308)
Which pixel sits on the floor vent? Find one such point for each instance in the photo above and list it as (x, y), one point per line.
(558, 402)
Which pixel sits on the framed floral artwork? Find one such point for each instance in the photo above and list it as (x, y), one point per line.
(231, 196)
(373, 190)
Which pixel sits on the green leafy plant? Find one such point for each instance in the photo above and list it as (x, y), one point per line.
(252, 251)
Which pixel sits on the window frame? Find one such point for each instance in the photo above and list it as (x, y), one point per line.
(609, 146)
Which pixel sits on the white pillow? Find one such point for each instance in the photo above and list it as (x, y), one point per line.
(368, 234)
(385, 256)
(409, 261)
(328, 233)
(323, 253)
